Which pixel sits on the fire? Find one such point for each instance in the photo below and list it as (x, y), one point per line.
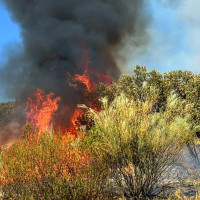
(76, 121)
(90, 77)
(85, 80)
(40, 109)
(77, 116)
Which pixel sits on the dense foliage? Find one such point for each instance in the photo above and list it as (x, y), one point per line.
(139, 144)
(138, 86)
(142, 124)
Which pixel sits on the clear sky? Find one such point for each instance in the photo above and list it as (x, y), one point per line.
(174, 37)
(9, 32)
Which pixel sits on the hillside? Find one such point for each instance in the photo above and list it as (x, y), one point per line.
(5, 110)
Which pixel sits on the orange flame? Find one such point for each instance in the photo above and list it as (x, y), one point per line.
(85, 80)
(75, 123)
(78, 114)
(90, 77)
(40, 109)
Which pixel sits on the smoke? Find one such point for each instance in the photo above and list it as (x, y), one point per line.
(54, 35)
(9, 133)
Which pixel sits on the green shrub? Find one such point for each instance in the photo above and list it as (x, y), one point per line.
(138, 144)
(185, 83)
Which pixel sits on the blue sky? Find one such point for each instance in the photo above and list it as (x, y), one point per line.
(9, 32)
(174, 31)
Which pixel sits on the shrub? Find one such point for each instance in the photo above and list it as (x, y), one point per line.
(43, 166)
(138, 144)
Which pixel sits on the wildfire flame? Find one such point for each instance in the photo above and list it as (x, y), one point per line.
(90, 77)
(40, 109)
(85, 80)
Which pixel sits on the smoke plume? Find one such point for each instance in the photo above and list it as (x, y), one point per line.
(55, 34)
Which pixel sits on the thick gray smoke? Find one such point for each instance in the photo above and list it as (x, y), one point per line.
(54, 34)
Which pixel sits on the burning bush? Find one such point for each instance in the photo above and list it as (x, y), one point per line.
(138, 144)
(48, 167)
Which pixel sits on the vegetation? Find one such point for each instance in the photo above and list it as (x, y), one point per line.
(5, 111)
(184, 83)
(144, 122)
(43, 167)
(138, 144)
